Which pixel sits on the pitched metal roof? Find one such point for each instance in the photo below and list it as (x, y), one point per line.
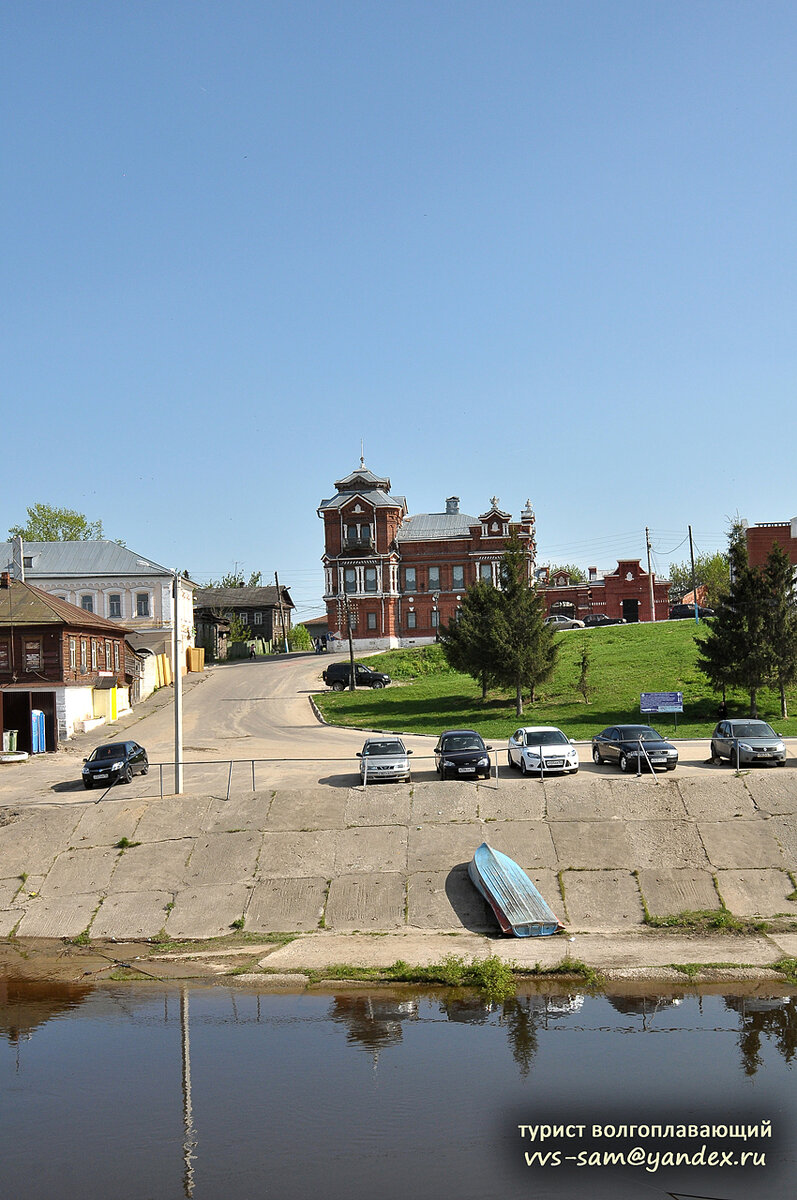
(425, 527)
(242, 597)
(376, 497)
(352, 481)
(23, 604)
(97, 556)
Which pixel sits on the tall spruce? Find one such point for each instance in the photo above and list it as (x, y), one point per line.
(526, 650)
(736, 650)
(469, 642)
(781, 622)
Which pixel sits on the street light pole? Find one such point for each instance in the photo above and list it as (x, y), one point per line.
(177, 646)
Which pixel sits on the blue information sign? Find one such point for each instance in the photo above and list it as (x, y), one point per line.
(653, 702)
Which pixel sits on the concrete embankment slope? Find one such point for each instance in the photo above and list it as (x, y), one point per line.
(330, 862)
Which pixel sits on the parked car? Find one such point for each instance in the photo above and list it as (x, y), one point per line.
(534, 742)
(337, 675)
(621, 744)
(561, 622)
(114, 762)
(384, 758)
(461, 753)
(602, 619)
(680, 612)
(758, 742)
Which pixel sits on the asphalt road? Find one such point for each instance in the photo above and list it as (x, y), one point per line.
(245, 711)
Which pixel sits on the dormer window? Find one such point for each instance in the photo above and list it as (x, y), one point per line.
(27, 562)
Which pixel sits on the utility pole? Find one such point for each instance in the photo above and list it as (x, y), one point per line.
(694, 586)
(352, 684)
(177, 648)
(282, 613)
(650, 577)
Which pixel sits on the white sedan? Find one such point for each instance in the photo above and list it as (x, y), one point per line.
(542, 748)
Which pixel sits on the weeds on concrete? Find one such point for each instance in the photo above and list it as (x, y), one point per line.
(238, 923)
(787, 967)
(125, 844)
(82, 939)
(571, 966)
(692, 970)
(719, 920)
(490, 975)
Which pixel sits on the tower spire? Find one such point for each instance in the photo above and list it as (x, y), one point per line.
(362, 452)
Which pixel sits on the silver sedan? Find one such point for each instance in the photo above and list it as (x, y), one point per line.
(384, 758)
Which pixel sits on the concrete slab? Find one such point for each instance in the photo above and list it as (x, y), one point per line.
(441, 847)
(636, 950)
(513, 800)
(106, 823)
(447, 900)
(786, 943)
(131, 915)
(364, 902)
(437, 803)
(757, 893)
(378, 804)
(785, 830)
(716, 795)
(155, 866)
(773, 791)
(204, 912)
(300, 855)
(741, 843)
(229, 856)
(8, 890)
(77, 872)
(172, 817)
(249, 811)
(579, 798)
(666, 844)
(647, 797)
(668, 891)
(9, 918)
(602, 899)
(320, 949)
(583, 845)
(31, 841)
(529, 843)
(375, 848)
(307, 808)
(284, 905)
(64, 916)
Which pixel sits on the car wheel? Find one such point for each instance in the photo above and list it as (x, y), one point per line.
(624, 762)
(510, 760)
(338, 685)
(596, 756)
(145, 768)
(523, 768)
(672, 766)
(378, 684)
(574, 771)
(88, 785)
(715, 754)
(127, 774)
(781, 762)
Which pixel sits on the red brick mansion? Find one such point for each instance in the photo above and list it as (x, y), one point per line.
(398, 578)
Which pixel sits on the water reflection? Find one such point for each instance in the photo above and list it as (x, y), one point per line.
(772, 1017)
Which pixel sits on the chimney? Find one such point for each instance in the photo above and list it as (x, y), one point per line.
(18, 558)
(5, 580)
(593, 573)
(452, 504)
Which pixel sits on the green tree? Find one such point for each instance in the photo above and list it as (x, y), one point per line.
(584, 664)
(468, 642)
(526, 650)
(236, 579)
(48, 524)
(575, 573)
(239, 631)
(299, 638)
(711, 572)
(736, 650)
(781, 621)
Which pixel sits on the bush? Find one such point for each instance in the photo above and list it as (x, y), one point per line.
(299, 638)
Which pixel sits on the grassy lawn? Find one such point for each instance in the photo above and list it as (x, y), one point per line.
(626, 660)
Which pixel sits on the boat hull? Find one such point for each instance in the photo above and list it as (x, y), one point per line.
(518, 907)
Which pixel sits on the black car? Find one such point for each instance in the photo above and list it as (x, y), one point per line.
(113, 762)
(337, 676)
(631, 746)
(461, 754)
(602, 619)
(680, 612)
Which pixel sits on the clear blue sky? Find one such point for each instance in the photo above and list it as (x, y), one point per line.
(522, 249)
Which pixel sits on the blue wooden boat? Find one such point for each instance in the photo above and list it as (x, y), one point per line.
(518, 906)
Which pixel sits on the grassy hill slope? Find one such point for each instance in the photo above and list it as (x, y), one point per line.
(625, 660)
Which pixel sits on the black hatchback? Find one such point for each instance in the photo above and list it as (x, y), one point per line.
(633, 747)
(462, 754)
(114, 762)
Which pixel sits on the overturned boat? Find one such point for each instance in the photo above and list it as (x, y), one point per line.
(518, 906)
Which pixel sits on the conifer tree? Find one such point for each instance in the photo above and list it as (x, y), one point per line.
(781, 621)
(526, 648)
(469, 642)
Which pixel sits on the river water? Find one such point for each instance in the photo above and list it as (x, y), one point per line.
(152, 1092)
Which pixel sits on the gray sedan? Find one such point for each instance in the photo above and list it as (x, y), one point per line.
(754, 741)
(384, 758)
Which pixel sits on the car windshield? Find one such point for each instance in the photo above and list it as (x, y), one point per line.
(636, 733)
(382, 748)
(546, 737)
(752, 729)
(462, 741)
(103, 753)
